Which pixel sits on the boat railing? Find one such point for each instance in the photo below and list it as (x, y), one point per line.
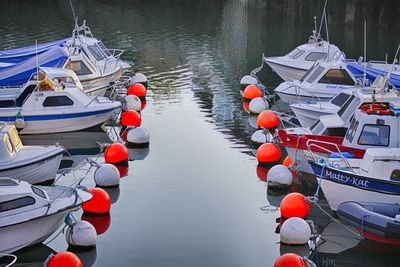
(339, 55)
(314, 144)
(299, 89)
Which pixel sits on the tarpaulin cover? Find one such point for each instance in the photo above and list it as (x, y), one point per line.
(371, 74)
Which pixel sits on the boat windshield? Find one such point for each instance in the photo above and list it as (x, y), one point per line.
(62, 82)
(308, 72)
(104, 49)
(352, 130)
(337, 76)
(15, 139)
(315, 74)
(340, 99)
(95, 51)
(317, 127)
(295, 53)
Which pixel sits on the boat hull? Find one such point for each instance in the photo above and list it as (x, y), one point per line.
(307, 117)
(287, 73)
(353, 187)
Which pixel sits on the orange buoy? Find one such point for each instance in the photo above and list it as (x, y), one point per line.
(290, 260)
(138, 90)
(268, 119)
(100, 223)
(262, 173)
(268, 154)
(100, 204)
(252, 91)
(131, 118)
(246, 106)
(116, 154)
(287, 161)
(64, 259)
(295, 205)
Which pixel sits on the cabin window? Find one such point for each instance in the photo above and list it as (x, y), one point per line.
(395, 176)
(96, 52)
(8, 144)
(315, 74)
(78, 67)
(16, 203)
(38, 192)
(7, 182)
(295, 53)
(314, 56)
(311, 70)
(337, 76)
(104, 49)
(56, 101)
(349, 102)
(340, 99)
(374, 135)
(351, 131)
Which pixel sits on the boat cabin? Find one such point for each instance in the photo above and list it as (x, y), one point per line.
(381, 162)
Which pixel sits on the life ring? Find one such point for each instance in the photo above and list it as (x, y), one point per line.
(367, 107)
(380, 111)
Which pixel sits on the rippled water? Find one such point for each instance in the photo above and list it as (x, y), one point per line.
(195, 198)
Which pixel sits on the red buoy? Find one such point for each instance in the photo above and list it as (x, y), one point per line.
(143, 105)
(290, 260)
(252, 91)
(64, 259)
(262, 173)
(100, 223)
(138, 90)
(116, 154)
(100, 204)
(295, 205)
(268, 119)
(131, 118)
(268, 154)
(123, 170)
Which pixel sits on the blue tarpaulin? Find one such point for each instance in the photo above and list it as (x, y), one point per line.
(20, 73)
(24, 53)
(371, 74)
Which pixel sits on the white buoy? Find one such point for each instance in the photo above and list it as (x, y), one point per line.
(248, 80)
(19, 123)
(258, 105)
(295, 231)
(260, 137)
(139, 78)
(107, 175)
(81, 235)
(138, 137)
(133, 102)
(279, 177)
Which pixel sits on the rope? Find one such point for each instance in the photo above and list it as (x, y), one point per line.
(9, 255)
(365, 215)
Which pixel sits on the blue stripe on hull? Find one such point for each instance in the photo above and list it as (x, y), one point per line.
(58, 116)
(353, 180)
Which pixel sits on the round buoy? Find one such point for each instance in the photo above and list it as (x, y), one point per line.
(262, 173)
(100, 223)
(295, 231)
(246, 105)
(287, 161)
(252, 91)
(116, 154)
(138, 137)
(279, 177)
(144, 103)
(138, 90)
(131, 118)
(64, 259)
(107, 175)
(133, 102)
(268, 120)
(100, 204)
(295, 205)
(268, 154)
(290, 260)
(247, 80)
(258, 105)
(19, 123)
(139, 78)
(260, 137)
(81, 235)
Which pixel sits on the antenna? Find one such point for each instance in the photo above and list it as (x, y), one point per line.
(37, 65)
(323, 17)
(387, 76)
(73, 11)
(365, 50)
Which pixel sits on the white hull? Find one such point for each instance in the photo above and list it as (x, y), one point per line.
(349, 193)
(287, 73)
(298, 157)
(28, 233)
(39, 172)
(307, 117)
(293, 95)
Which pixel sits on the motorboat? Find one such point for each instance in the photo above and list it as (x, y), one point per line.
(96, 66)
(53, 101)
(308, 113)
(373, 178)
(30, 214)
(34, 164)
(321, 83)
(374, 220)
(371, 125)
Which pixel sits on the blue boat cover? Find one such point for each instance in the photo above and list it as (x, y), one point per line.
(371, 74)
(22, 54)
(19, 73)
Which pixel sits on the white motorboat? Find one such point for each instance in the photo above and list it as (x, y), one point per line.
(30, 214)
(96, 66)
(321, 83)
(54, 103)
(33, 164)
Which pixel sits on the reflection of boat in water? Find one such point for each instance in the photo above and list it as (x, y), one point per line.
(32, 257)
(340, 247)
(88, 257)
(79, 144)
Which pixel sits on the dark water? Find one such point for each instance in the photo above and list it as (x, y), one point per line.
(195, 197)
